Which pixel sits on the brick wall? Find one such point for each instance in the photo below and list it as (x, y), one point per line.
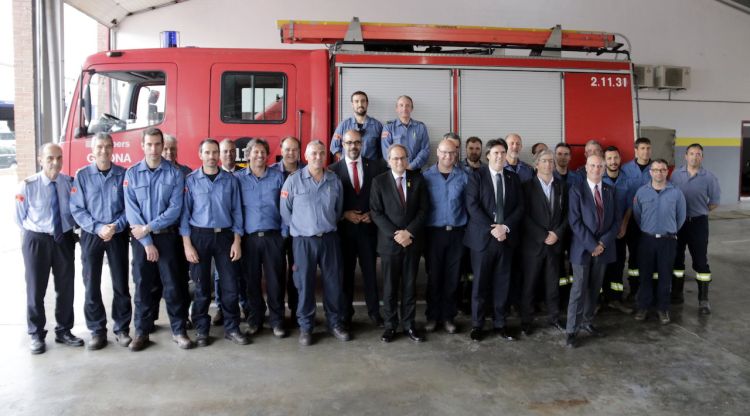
(23, 41)
(23, 47)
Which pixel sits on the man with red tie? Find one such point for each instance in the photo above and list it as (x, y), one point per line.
(357, 232)
(398, 206)
(594, 225)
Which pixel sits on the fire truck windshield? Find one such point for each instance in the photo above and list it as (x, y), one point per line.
(117, 101)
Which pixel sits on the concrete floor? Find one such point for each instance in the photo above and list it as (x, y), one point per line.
(695, 366)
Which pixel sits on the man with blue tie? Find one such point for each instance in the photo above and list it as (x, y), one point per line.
(98, 206)
(410, 133)
(48, 243)
(594, 224)
(263, 245)
(495, 206)
(153, 201)
(211, 229)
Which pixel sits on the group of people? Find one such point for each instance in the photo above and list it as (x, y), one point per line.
(507, 227)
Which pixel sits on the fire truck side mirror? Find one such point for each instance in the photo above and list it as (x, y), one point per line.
(79, 132)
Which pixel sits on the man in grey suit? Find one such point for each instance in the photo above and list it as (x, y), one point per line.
(545, 223)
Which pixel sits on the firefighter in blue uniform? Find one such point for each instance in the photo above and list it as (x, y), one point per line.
(702, 194)
(612, 288)
(153, 202)
(369, 128)
(407, 132)
(263, 245)
(290, 162)
(638, 172)
(98, 206)
(659, 209)
(311, 205)
(211, 228)
(48, 243)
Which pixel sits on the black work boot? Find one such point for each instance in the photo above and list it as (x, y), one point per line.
(704, 308)
(677, 285)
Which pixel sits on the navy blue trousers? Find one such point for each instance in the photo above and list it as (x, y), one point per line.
(93, 249)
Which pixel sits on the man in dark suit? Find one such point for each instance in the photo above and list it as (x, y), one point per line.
(357, 232)
(399, 203)
(544, 224)
(495, 205)
(594, 225)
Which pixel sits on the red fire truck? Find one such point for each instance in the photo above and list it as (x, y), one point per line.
(547, 85)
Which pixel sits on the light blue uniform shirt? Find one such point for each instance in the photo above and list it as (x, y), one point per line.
(211, 204)
(153, 198)
(371, 132)
(623, 192)
(522, 169)
(279, 166)
(33, 207)
(636, 176)
(413, 136)
(659, 212)
(309, 208)
(700, 190)
(260, 199)
(97, 200)
(446, 197)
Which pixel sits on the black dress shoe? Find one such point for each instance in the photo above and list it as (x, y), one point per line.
(37, 345)
(504, 334)
(305, 338)
(526, 329)
(476, 334)
(68, 339)
(139, 342)
(378, 321)
(202, 340)
(388, 335)
(341, 334)
(97, 342)
(593, 331)
(237, 337)
(414, 335)
(557, 325)
(570, 341)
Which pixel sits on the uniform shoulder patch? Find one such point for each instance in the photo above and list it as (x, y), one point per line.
(284, 194)
(73, 190)
(125, 183)
(20, 198)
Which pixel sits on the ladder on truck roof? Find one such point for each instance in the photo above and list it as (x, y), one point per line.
(544, 42)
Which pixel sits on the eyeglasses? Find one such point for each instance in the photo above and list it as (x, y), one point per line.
(353, 143)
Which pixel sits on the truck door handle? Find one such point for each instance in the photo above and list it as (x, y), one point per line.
(299, 124)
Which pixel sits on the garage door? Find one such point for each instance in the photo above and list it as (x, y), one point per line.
(496, 103)
(429, 88)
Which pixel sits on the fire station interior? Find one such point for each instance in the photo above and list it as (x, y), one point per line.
(689, 85)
